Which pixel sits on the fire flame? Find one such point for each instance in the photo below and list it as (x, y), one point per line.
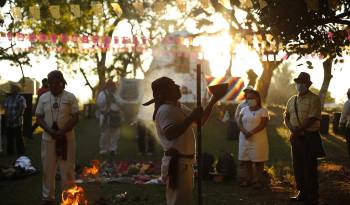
(91, 171)
(74, 196)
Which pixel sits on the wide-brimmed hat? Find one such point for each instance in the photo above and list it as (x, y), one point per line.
(303, 78)
(56, 74)
(159, 87)
(248, 89)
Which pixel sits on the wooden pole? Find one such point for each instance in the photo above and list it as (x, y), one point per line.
(199, 138)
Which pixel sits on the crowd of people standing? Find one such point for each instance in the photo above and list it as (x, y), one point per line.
(57, 113)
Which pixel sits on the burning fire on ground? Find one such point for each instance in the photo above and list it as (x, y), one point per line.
(92, 171)
(74, 196)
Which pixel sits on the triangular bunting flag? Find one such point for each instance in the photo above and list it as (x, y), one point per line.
(117, 9)
(16, 13)
(205, 3)
(138, 7)
(262, 4)
(181, 4)
(55, 11)
(34, 12)
(159, 7)
(246, 4)
(97, 8)
(75, 10)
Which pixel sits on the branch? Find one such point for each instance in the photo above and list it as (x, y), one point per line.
(87, 81)
(342, 15)
(341, 21)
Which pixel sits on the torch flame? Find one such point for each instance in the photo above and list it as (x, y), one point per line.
(91, 171)
(74, 196)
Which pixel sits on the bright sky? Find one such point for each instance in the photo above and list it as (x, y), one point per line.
(214, 48)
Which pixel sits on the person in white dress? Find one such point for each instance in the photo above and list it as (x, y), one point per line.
(253, 141)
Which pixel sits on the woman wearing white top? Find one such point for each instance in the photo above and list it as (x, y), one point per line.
(253, 142)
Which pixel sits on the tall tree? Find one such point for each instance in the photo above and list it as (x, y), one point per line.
(97, 20)
(297, 27)
(9, 53)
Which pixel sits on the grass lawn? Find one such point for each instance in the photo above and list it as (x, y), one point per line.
(334, 170)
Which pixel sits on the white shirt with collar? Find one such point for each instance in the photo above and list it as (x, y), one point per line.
(67, 105)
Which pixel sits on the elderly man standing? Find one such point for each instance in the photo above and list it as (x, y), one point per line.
(344, 121)
(174, 127)
(302, 118)
(110, 118)
(57, 113)
(14, 105)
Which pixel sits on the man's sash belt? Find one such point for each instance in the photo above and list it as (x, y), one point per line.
(174, 165)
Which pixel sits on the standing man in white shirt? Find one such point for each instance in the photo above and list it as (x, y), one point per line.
(110, 116)
(175, 131)
(344, 121)
(57, 113)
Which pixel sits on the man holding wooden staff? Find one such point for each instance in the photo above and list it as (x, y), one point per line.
(174, 124)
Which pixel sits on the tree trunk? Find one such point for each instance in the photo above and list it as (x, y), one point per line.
(327, 76)
(265, 78)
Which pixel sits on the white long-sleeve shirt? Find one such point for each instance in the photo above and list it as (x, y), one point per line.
(102, 102)
(345, 115)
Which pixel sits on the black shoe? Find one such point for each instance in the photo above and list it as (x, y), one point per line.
(298, 197)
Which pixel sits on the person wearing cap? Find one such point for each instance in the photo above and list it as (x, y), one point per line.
(344, 122)
(57, 113)
(14, 106)
(253, 142)
(244, 103)
(174, 125)
(302, 118)
(109, 105)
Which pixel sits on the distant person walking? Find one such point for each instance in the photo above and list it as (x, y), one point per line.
(14, 105)
(174, 127)
(57, 113)
(344, 121)
(253, 142)
(302, 118)
(110, 115)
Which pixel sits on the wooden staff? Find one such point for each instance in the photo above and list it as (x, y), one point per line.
(199, 138)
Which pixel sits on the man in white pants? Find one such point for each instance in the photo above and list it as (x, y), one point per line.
(174, 127)
(57, 113)
(110, 118)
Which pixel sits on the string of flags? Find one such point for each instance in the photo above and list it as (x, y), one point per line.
(75, 10)
(64, 38)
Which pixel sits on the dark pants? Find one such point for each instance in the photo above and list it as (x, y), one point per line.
(347, 137)
(145, 140)
(305, 167)
(14, 134)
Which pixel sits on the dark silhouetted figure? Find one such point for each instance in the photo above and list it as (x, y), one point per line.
(14, 105)
(174, 128)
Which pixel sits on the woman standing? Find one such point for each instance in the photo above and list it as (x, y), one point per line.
(253, 142)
